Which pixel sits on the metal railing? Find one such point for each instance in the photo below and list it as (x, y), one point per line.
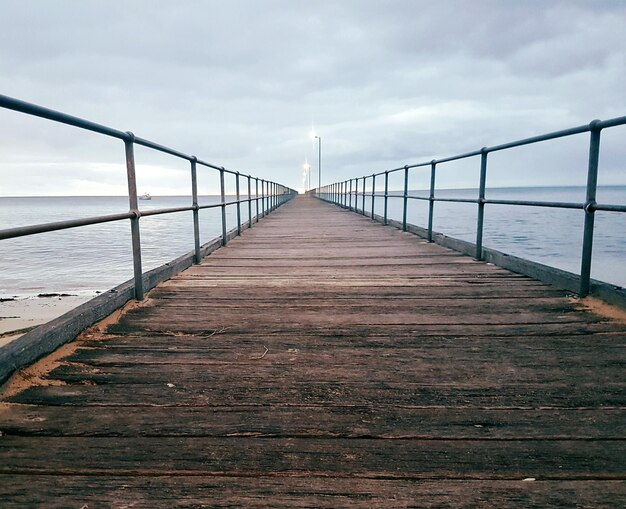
(270, 196)
(342, 193)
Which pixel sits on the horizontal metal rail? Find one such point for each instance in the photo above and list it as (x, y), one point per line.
(22, 231)
(272, 194)
(342, 193)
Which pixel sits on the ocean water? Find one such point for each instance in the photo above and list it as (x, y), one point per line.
(97, 258)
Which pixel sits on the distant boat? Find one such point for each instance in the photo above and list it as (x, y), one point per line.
(145, 196)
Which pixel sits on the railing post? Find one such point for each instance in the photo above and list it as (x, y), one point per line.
(134, 209)
(238, 208)
(196, 222)
(223, 207)
(406, 199)
(481, 204)
(431, 200)
(262, 200)
(350, 196)
(363, 201)
(373, 193)
(590, 203)
(386, 196)
(356, 195)
(249, 201)
(257, 198)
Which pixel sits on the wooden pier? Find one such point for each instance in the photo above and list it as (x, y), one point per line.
(324, 360)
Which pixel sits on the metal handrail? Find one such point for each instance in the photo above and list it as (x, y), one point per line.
(272, 194)
(341, 193)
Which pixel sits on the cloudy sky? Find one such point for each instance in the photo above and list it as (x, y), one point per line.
(241, 82)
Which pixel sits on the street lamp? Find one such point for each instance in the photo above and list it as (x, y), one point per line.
(307, 175)
(319, 161)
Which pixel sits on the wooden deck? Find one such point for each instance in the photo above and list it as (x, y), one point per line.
(324, 360)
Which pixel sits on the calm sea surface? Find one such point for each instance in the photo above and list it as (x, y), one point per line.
(98, 257)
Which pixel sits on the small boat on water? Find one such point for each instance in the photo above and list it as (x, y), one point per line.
(145, 196)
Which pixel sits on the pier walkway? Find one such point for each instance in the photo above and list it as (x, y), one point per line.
(324, 360)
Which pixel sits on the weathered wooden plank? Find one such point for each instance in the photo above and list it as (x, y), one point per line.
(208, 290)
(430, 271)
(180, 326)
(268, 301)
(407, 360)
(282, 391)
(327, 339)
(18, 491)
(384, 458)
(161, 371)
(317, 421)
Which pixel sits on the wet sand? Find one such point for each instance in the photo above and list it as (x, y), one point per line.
(23, 314)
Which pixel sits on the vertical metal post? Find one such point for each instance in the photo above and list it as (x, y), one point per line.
(386, 196)
(249, 201)
(319, 164)
(356, 195)
(590, 203)
(373, 193)
(431, 200)
(238, 204)
(257, 198)
(263, 198)
(196, 222)
(481, 204)
(363, 201)
(134, 209)
(406, 199)
(350, 196)
(223, 197)
(268, 187)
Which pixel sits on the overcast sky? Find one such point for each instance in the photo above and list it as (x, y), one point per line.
(240, 83)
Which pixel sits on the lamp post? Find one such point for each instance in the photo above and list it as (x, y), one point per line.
(319, 161)
(307, 175)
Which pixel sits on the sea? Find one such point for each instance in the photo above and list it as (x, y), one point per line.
(91, 259)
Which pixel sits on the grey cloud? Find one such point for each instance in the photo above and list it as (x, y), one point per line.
(240, 82)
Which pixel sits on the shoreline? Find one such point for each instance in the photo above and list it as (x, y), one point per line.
(20, 314)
